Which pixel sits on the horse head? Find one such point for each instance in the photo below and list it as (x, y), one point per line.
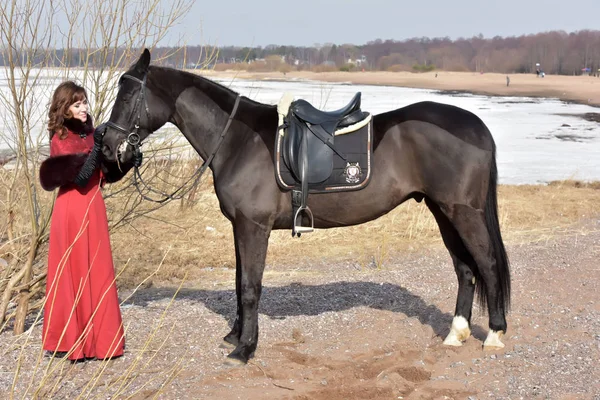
(136, 113)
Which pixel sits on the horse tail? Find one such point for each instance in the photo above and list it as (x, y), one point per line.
(493, 227)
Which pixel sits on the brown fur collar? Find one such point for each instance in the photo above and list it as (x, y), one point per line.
(76, 126)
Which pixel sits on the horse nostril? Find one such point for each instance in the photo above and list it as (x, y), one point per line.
(108, 153)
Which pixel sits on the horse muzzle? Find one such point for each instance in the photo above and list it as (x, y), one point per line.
(122, 151)
(129, 148)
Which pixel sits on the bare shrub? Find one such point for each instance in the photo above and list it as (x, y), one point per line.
(324, 68)
(399, 68)
(96, 43)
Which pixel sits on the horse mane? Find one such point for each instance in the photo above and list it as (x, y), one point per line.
(259, 117)
(213, 89)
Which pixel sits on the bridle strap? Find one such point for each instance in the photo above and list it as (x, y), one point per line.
(196, 176)
(133, 78)
(133, 138)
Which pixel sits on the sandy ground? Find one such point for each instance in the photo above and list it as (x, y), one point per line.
(339, 331)
(580, 89)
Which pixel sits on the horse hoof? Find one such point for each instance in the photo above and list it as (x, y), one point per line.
(226, 345)
(451, 340)
(493, 340)
(232, 362)
(459, 332)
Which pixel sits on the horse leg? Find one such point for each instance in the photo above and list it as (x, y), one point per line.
(252, 241)
(471, 226)
(464, 265)
(233, 337)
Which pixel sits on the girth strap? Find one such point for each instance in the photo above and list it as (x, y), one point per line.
(326, 138)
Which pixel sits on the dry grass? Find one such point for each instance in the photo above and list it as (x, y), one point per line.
(199, 237)
(34, 376)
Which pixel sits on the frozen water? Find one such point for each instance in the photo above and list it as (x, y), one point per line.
(534, 143)
(538, 140)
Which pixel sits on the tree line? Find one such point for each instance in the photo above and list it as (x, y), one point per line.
(557, 52)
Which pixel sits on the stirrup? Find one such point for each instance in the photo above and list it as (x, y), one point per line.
(299, 229)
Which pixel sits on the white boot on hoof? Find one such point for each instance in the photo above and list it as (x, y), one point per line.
(459, 332)
(493, 340)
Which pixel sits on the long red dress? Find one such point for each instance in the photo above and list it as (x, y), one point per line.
(82, 313)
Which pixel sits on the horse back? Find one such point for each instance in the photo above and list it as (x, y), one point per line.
(455, 120)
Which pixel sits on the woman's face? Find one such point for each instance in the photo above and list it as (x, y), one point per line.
(79, 110)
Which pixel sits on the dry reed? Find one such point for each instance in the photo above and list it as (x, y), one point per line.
(200, 237)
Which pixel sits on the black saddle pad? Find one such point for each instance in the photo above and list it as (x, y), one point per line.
(351, 174)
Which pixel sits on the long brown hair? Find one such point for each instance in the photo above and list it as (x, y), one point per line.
(64, 96)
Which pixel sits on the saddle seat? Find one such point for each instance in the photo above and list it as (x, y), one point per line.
(345, 116)
(307, 147)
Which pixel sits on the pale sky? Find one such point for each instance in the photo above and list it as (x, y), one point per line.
(307, 22)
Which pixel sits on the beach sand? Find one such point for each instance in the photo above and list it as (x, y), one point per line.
(579, 89)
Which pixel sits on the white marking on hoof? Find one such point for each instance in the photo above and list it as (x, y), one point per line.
(493, 339)
(459, 332)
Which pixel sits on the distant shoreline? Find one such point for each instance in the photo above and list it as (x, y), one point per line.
(574, 89)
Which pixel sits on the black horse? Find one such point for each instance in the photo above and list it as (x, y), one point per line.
(426, 151)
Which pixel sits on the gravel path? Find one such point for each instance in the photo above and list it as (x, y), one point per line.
(344, 332)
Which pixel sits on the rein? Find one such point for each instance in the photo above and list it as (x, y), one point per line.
(134, 140)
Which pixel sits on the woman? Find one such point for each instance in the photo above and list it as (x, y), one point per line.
(82, 318)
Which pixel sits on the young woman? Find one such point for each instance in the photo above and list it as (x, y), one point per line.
(82, 318)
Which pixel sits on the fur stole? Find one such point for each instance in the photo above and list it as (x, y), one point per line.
(61, 170)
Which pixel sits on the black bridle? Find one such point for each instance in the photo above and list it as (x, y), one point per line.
(133, 137)
(134, 140)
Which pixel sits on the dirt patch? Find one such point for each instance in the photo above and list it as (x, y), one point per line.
(594, 117)
(567, 137)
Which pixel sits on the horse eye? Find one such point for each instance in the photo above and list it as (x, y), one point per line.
(127, 95)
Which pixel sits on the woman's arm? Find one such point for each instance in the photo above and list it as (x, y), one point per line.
(70, 161)
(91, 163)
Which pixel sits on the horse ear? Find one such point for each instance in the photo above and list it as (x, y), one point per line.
(143, 62)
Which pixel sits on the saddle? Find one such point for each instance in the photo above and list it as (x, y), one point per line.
(321, 152)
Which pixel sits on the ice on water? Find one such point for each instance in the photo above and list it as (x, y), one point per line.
(534, 145)
(537, 139)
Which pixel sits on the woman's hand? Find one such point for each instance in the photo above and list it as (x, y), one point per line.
(99, 134)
